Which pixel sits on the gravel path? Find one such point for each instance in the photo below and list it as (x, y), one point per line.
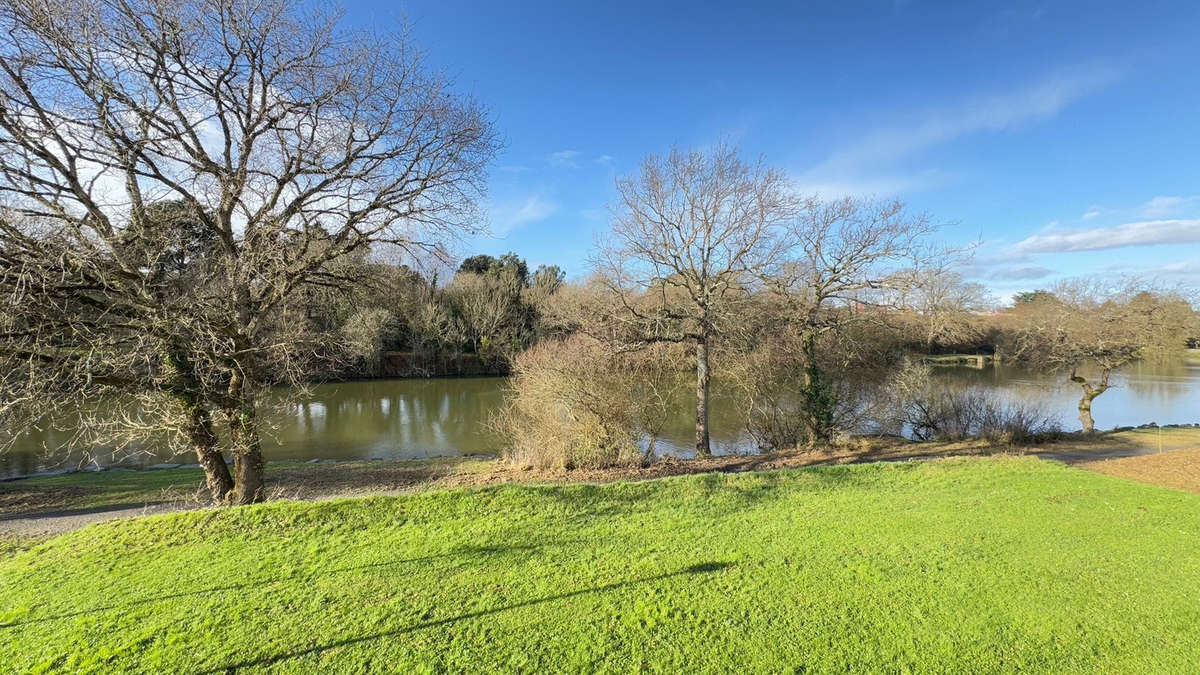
(48, 523)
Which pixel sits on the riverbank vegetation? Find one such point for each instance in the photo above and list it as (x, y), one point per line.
(875, 567)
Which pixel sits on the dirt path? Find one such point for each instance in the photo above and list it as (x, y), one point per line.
(1178, 469)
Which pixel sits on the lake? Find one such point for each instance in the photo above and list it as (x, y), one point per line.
(394, 419)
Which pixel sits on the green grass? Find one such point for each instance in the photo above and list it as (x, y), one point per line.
(981, 565)
(112, 488)
(135, 488)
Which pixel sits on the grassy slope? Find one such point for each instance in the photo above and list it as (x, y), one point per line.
(952, 565)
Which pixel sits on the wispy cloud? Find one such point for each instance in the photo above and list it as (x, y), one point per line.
(1165, 206)
(1025, 273)
(532, 209)
(604, 159)
(564, 158)
(862, 186)
(1144, 233)
(864, 163)
(1183, 268)
(1155, 208)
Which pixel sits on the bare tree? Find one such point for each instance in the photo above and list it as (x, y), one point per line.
(944, 307)
(850, 261)
(1097, 324)
(289, 140)
(690, 235)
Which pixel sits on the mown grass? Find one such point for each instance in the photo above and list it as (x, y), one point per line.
(979, 565)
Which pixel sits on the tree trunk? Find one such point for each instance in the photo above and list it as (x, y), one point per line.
(204, 441)
(247, 455)
(818, 399)
(1085, 402)
(247, 448)
(703, 447)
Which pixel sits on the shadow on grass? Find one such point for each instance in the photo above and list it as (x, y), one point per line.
(458, 552)
(699, 568)
(82, 511)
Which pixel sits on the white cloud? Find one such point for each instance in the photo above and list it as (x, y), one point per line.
(878, 186)
(860, 167)
(1001, 112)
(564, 158)
(1026, 273)
(1093, 212)
(604, 159)
(1167, 205)
(510, 217)
(1143, 233)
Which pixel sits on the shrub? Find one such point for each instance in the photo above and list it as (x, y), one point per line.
(770, 391)
(929, 410)
(575, 404)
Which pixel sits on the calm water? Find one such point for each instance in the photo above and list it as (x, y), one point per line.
(423, 418)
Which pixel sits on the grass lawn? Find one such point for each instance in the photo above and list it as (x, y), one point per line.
(978, 565)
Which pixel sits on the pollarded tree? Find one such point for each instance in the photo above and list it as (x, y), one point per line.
(691, 234)
(292, 141)
(1095, 324)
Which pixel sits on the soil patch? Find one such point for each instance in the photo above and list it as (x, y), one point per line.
(1179, 469)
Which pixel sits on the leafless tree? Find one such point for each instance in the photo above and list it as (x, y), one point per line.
(288, 140)
(850, 261)
(1097, 324)
(945, 308)
(690, 235)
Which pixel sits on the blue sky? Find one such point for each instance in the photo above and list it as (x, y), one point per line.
(1064, 135)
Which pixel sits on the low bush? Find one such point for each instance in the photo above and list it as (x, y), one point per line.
(575, 404)
(929, 410)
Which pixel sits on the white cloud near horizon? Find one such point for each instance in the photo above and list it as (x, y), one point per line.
(1142, 233)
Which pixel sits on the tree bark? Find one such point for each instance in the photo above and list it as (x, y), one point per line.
(247, 455)
(247, 447)
(1085, 402)
(204, 441)
(703, 446)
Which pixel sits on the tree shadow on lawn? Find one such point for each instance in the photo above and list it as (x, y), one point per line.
(699, 568)
(719, 491)
(457, 552)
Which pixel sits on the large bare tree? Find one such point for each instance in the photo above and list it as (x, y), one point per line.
(285, 140)
(691, 234)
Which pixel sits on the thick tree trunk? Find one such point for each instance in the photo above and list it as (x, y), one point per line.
(247, 456)
(703, 447)
(1085, 402)
(204, 441)
(247, 447)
